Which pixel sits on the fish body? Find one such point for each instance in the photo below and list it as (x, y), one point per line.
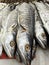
(9, 33)
(39, 32)
(2, 6)
(25, 32)
(24, 42)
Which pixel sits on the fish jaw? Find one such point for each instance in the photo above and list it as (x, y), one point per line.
(9, 45)
(24, 44)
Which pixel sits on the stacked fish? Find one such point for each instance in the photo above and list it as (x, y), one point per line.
(22, 25)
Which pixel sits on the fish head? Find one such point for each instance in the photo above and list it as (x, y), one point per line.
(24, 43)
(43, 40)
(9, 45)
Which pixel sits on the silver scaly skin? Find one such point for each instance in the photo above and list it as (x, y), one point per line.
(3, 15)
(8, 33)
(2, 6)
(24, 42)
(43, 11)
(25, 32)
(39, 32)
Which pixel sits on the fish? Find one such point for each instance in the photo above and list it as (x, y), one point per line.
(24, 46)
(2, 6)
(34, 48)
(25, 32)
(9, 33)
(4, 13)
(39, 32)
(43, 11)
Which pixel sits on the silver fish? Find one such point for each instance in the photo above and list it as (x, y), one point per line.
(9, 33)
(24, 42)
(34, 47)
(43, 11)
(2, 6)
(25, 32)
(4, 13)
(39, 32)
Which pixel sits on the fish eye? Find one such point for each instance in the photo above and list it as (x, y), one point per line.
(27, 47)
(43, 35)
(12, 43)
